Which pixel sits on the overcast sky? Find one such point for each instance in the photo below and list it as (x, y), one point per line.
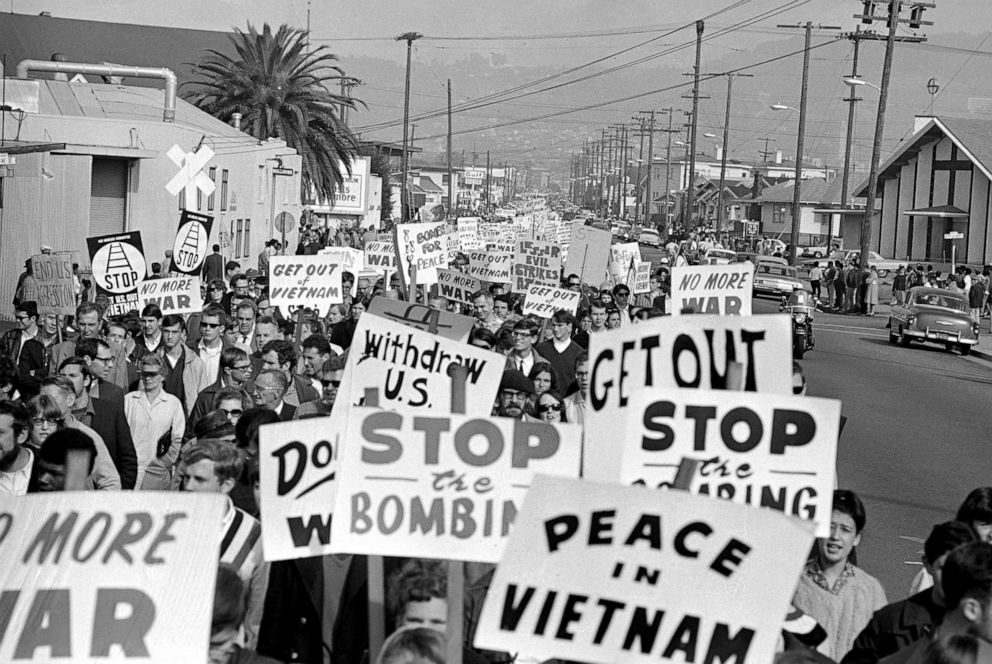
(346, 23)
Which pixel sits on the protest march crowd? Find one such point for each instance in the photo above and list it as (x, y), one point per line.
(270, 401)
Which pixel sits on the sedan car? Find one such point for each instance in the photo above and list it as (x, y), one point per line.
(936, 315)
(718, 257)
(775, 279)
(882, 265)
(650, 237)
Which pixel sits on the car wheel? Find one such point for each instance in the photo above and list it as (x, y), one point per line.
(893, 337)
(903, 339)
(882, 273)
(817, 254)
(965, 349)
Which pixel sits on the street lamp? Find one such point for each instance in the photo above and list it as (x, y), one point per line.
(796, 208)
(855, 81)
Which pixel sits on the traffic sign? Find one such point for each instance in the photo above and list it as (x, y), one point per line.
(953, 235)
(285, 222)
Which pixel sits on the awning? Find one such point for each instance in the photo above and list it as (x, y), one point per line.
(940, 211)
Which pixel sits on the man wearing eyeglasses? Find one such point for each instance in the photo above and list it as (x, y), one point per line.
(100, 361)
(522, 357)
(279, 355)
(514, 390)
(239, 291)
(157, 425)
(186, 373)
(88, 322)
(61, 391)
(105, 417)
(211, 342)
(575, 404)
(21, 345)
(621, 295)
(234, 372)
(268, 392)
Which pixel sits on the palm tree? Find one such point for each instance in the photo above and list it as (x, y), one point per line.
(279, 85)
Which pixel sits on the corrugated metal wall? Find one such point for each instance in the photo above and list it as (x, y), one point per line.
(46, 202)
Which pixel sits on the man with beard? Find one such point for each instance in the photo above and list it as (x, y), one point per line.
(16, 459)
(514, 390)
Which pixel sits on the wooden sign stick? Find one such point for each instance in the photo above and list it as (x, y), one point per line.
(376, 577)
(456, 568)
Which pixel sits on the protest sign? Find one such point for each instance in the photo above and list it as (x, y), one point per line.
(544, 301)
(713, 289)
(192, 242)
(424, 247)
(564, 237)
(349, 260)
(496, 236)
(622, 256)
(642, 278)
(444, 323)
(441, 485)
(304, 281)
(176, 295)
(692, 352)
(752, 450)
(588, 253)
(490, 266)
(457, 286)
(84, 578)
(453, 243)
(468, 234)
(380, 257)
(410, 367)
(536, 263)
(118, 264)
(56, 292)
(298, 472)
(603, 573)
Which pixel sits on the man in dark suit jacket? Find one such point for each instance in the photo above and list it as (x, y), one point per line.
(105, 417)
(213, 266)
(234, 371)
(297, 625)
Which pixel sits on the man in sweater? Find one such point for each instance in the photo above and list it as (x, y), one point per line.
(561, 351)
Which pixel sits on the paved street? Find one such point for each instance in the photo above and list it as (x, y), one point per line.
(916, 437)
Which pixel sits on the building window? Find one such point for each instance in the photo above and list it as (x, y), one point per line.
(247, 244)
(108, 196)
(781, 215)
(237, 241)
(260, 187)
(213, 178)
(223, 190)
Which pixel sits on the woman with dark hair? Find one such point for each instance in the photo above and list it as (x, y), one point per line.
(976, 511)
(832, 589)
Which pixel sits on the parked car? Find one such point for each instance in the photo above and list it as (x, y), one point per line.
(718, 257)
(876, 260)
(775, 279)
(935, 315)
(650, 237)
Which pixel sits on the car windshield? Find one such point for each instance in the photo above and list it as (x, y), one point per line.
(944, 301)
(777, 270)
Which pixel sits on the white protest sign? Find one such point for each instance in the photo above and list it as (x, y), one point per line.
(56, 292)
(536, 263)
(441, 485)
(457, 286)
(453, 243)
(779, 453)
(564, 237)
(424, 247)
(175, 295)
(621, 257)
(304, 281)
(642, 278)
(713, 289)
(380, 256)
(350, 260)
(693, 352)
(604, 573)
(544, 301)
(468, 234)
(85, 579)
(410, 368)
(420, 317)
(588, 253)
(298, 472)
(491, 266)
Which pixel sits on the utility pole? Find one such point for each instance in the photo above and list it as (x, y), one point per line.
(766, 153)
(692, 140)
(640, 160)
(347, 83)
(451, 182)
(797, 187)
(725, 149)
(409, 38)
(893, 20)
(489, 182)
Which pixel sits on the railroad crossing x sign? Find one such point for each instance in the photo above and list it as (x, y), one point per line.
(190, 176)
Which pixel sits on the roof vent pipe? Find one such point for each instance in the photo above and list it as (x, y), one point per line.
(171, 84)
(236, 120)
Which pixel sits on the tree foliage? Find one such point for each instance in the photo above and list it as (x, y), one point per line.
(281, 88)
